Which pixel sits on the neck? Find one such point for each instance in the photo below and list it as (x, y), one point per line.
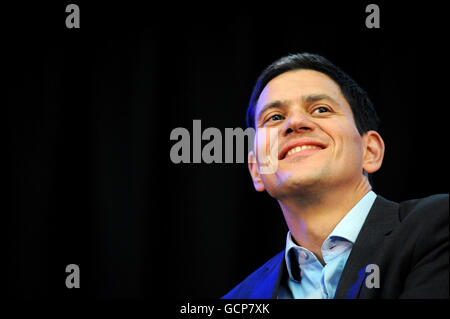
(312, 217)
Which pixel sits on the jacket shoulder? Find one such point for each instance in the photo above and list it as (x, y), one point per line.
(422, 241)
(433, 206)
(259, 281)
(424, 222)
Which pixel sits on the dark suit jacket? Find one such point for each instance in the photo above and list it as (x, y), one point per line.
(408, 241)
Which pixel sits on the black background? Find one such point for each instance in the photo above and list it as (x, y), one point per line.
(89, 113)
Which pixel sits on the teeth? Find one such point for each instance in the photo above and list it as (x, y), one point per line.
(300, 148)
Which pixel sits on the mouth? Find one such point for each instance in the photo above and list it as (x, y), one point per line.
(300, 148)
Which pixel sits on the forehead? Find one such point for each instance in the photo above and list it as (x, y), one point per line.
(292, 85)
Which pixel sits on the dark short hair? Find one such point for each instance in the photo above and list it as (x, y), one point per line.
(364, 113)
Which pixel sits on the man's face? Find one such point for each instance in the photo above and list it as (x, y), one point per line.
(319, 146)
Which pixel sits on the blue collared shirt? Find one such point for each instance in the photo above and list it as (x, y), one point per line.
(308, 279)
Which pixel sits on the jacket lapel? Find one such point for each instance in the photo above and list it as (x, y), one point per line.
(268, 288)
(382, 218)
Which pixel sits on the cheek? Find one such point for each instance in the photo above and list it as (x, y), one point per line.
(272, 184)
(347, 143)
(266, 150)
(354, 150)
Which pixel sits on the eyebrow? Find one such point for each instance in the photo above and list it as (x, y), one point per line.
(317, 97)
(305, 99)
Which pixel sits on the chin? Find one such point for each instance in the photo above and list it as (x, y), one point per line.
(298, 184)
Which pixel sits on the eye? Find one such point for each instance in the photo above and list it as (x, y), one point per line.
(321, 109)
(275, 117)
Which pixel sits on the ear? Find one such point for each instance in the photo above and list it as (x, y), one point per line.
(253, 168)
(373, 151)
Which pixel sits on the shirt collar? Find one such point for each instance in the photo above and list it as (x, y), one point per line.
(348, 228)
(352, 222)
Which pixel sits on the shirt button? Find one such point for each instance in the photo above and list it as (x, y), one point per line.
(331, 244)
(303, 255)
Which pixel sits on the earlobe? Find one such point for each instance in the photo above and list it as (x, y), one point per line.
(373, 152)
(254, 173)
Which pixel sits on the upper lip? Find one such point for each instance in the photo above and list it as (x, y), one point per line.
(296, 143)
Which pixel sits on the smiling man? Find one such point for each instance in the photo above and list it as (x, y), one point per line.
(344, 241)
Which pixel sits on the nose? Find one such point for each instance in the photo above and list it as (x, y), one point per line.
(298, 121)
